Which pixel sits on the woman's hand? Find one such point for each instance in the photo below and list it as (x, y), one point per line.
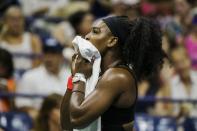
(81, 65)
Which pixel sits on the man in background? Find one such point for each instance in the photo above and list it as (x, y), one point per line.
(50, 77)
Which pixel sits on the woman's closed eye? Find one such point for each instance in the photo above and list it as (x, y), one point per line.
(96, 30)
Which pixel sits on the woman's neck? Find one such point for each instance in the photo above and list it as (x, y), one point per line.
(110, 59)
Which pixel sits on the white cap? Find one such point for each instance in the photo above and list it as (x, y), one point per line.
(127, 2)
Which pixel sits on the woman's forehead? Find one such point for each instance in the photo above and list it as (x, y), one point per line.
(100, 24)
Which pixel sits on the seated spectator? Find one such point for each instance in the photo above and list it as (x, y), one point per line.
(49, 115)
(183, 85)
(7, 83)
(191, 43)
(178, 27)
(81, 22)
(50, 77)
(18, 42)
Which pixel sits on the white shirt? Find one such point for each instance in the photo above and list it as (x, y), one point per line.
(40, 82)
(22, 49)
(178, 90)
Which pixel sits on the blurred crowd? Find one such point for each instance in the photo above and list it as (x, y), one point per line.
(36, 49)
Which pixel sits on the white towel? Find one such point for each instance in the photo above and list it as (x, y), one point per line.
(89, 51)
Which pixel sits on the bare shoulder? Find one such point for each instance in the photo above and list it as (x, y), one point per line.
(118, 74)
(118, 77)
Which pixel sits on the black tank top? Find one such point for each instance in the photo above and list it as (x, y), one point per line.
(114, 118)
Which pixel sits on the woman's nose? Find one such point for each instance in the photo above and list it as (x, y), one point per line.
(87, 37)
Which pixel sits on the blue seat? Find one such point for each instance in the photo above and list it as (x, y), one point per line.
(190, 124)
(15, 121)
(144, 122)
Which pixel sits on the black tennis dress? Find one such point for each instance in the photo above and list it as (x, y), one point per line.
(114, 118)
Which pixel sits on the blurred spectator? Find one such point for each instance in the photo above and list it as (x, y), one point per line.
(48, 78)
(178, 27)
(146, 88)
(191, 42)
(49, 115)
(72, 7)
(18, 42)
(183, 85)
(164, 12)
(41, 7)
(82, 22)
(125, 7)
(7, 83)
(167, 70)
(166, 73)
(64, 33)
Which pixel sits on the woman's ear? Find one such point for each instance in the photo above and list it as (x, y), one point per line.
(112, 41)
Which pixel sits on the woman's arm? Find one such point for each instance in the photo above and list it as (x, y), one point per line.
(65, 112)
(83, 110)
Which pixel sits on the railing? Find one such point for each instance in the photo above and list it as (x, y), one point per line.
(13, 95)
(140, 99)
(153, 99)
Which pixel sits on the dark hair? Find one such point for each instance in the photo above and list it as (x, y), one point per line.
(6, 63)
(50, 102)
(76, 18)
(143, 47)
(51, 45)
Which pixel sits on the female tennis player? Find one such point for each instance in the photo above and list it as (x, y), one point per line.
(130, 51)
